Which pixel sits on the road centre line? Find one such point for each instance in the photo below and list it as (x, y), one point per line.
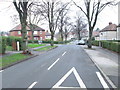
(1, 71)
(63, 53)
(104, 84)
(32, 85)
(53, 64)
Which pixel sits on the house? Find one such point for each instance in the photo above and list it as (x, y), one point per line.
(118, 30)
(39, 33)
(109, 32)
(47, 35)
(96, 34)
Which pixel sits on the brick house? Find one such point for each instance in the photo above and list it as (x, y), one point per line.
(39, 33)
(109, 32)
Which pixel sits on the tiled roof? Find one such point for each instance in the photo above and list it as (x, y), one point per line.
(110, 27)
(18, 27)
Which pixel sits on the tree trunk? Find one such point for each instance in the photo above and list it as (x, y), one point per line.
(90, 37)
(79, 38)
(24, 37)
(52, 39)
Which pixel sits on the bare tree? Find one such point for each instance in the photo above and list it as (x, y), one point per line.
(68, 27)
(93, 9)
(34, 17)
(22, 8)
(51, 11)
(62, 22)
(80, 26)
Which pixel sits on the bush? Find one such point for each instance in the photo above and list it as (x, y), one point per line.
(11, 39)
(2, 45)
(113, 45)
(30, 41)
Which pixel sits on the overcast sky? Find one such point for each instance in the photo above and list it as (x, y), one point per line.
(7, 10)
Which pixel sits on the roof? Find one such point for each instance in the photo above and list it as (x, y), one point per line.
(110, 27)
(18, 28)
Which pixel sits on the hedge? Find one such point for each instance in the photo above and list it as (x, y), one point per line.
(109, 44)
(2, 45)
(11, 39)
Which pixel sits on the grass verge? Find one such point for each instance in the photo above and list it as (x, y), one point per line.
(35, 45)
(45, 48)
(9, 48)
(8, 60)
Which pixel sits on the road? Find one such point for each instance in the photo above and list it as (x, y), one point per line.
(67, 66)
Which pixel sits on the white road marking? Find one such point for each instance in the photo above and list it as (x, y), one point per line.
(63, 53)
(32, 85)
(104, 84)
(53, 63)
(1, 71)
(82, 85)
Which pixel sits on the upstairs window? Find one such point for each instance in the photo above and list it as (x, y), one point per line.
(35, 32)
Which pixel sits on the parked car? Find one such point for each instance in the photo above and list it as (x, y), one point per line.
(81, 42)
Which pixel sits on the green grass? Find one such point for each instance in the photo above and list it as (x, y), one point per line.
(9, 48)
(8, 60)
(45, 48)
(35, 45)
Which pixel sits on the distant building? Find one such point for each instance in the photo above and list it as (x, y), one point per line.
(96, 34)
(47, 35)
(118, 30)
(39, 33)
(109, 32)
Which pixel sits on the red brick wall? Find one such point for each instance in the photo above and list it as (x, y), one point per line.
(15, 33)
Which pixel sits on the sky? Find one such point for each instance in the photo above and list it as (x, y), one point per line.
(7, 11)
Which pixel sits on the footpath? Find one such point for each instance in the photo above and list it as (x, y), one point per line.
(8, 53)
(108, 63)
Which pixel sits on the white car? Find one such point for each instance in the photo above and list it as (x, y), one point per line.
(81, 42)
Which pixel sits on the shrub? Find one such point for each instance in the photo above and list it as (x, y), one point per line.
(2, 45)
(109, 44)
(96, 43)
(11, 39)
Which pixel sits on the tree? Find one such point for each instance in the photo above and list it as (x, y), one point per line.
(61, 22)
(22, 8)
(67, 27)
(51, 11)
(34, 18)
(93, 9)
(80, 26)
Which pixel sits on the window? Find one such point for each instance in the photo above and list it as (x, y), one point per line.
(35, 32)
(27, 32)
(35, 38)
(40, 32)
(19, 33)
(40, 38)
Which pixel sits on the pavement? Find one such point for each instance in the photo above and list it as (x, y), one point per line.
(8, 53)
(65, 67)
(107, 61)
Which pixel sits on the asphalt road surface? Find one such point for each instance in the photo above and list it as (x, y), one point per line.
(67, 66)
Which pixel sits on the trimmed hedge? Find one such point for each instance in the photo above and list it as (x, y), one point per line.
(11, 39)
(2, 45)
(109, 44)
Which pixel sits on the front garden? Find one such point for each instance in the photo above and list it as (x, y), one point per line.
(113, 45)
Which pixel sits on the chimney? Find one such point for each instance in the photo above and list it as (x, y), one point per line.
(110, 23)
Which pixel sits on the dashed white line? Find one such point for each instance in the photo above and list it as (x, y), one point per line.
(32, 85)
(104, 84)
(63, 53)
(1, 71)
(53, 63)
